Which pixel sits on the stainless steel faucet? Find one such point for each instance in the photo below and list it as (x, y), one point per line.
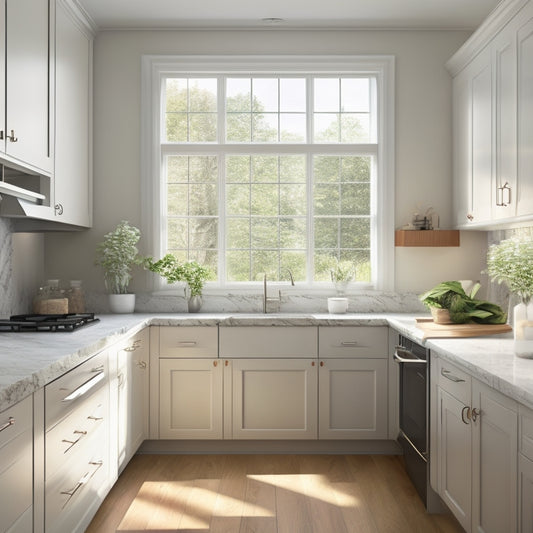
(266, 299)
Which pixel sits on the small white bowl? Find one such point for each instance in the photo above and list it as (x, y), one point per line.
(337, 306)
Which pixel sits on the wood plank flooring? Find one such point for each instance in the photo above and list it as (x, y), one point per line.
(266, 494)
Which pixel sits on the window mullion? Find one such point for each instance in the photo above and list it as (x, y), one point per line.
(221, 158)
(310, 177)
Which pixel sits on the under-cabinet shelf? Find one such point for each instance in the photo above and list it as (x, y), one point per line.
(438, 237)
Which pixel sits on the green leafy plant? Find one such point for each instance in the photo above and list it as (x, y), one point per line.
(191, 272)
(511, 262)
(342, 271)
(117, 254)
(463, 307)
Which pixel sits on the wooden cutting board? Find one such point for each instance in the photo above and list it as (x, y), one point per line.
(435, 331)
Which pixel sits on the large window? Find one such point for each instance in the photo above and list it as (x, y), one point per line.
(256, 171)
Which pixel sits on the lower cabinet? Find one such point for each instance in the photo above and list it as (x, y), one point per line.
(190, 399)
(273, 398)
(477, 450)
(16, 468)
(353, 399)
(525, 487)
(133, 395)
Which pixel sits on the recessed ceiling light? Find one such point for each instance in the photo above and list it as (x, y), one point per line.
(272, 20)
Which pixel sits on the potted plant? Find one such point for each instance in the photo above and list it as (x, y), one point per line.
(511, 262)
(190, 272)
(342, 273)
(117, 254)
(449, 304)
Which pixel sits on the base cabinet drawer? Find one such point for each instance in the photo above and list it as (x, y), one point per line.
(16, 466)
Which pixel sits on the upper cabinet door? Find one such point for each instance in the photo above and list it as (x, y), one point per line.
(525, 121)
(28, 96)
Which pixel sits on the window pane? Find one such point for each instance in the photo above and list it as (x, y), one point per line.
(326, 169)
(265, 168)
(292, 95)
(265, 127)
(292, 127)
(296, 262)
(292, 200)
(176, 95)
(177, 233)
(265, 94)
(355, 199)
(355, 95)
(292, 168)
(237, 200)
(237, 169)
(176, 127)
(264, 233)
(356, 169)
(361, 259)
(265, 199)
(326, 127)
(203, 95)
(203, 169)
(355, 233)
(264, 262)
(326, 199)
(326, 233)
(239, 127)
(203, 232)
(177, 169)
(238, 233)
(203, 199)
(177, 200)
(292, 233)
(238, 94)
(238, 265)
(355, 128)
(327, 95)
(202, 127)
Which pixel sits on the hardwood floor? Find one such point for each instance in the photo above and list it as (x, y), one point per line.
(266, 494)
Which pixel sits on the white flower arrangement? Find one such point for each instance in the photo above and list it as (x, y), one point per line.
(511, 262)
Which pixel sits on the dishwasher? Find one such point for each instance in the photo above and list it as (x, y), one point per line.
(414, 372)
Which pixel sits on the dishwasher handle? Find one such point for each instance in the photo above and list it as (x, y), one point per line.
(401, 355)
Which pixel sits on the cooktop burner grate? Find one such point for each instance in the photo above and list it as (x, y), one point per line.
(29, 323)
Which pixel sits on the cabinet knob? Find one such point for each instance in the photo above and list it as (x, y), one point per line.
(475, 413)
(215, 363)
(59, 209)
(226, 363)
(12, 137)
(465, 411)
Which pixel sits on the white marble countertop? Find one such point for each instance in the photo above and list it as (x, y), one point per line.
(28, 361)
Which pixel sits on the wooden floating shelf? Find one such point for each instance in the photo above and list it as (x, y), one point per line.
(438, 237)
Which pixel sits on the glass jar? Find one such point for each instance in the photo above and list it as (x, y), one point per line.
(76, 298)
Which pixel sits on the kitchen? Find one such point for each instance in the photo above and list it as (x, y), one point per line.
(423, 162)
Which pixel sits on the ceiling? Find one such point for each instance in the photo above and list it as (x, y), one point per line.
(405, 14)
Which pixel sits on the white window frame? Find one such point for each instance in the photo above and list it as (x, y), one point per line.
(154, 67)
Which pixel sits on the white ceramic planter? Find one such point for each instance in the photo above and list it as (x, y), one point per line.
(121, 303)
(337, 305)
(523, 330)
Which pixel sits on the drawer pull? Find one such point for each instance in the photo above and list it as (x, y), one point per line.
(141, 364)
(468, 412)
(349, 343)
(9, 423)
(86, 477)
(448, 375)
(136, 344)
(95, 418)
(187, 343)
(86, 387)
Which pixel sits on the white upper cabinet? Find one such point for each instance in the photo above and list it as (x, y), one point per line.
(26, 126)
(73, 109)
(492, 96)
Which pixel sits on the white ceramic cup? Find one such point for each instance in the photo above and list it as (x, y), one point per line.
(337, 305)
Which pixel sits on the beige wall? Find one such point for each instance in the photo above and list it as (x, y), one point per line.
(423, 135)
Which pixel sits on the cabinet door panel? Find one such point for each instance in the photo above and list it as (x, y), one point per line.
(482, 137)
(525, 123)
(494, 461)
(526, 494)
(274, 399)
(353, 399)
(27, 82)
(455, 467)
(190, 399)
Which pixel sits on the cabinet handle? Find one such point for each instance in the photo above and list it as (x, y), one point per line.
(95, 418)
(503, 195)
(475, 413)
(134, 346)
(86, 387)
(83, 480)
(470, 217)
(9, 423)
(187, 343)
(448, 375)
(141, 364)
(468, 414)
(58, 209)
(349, 343)
(12, 137)
(1, 135)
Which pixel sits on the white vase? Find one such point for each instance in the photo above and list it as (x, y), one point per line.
(121, 303)
(341, 287)
(523, 330)
(194, 303)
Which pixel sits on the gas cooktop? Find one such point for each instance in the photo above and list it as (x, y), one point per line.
(29, 323)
